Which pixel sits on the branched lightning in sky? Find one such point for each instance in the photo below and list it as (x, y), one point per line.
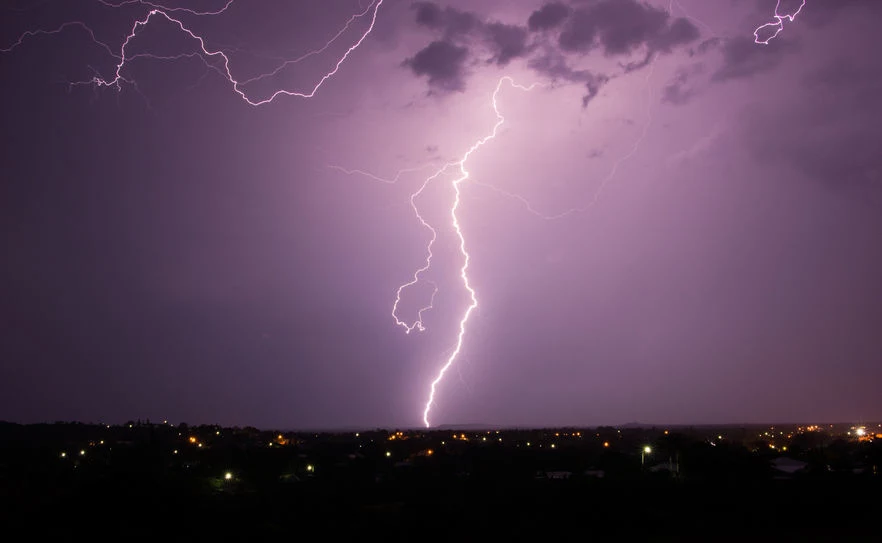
(777, 24)
(417, 324)
(158, 10)
(165, 8)
(375, 177)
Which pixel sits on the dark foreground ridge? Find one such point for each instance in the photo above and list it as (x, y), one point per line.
(143, 481)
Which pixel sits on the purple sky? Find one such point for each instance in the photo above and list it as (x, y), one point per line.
(172, 252)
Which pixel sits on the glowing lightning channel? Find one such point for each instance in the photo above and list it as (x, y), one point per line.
(159, 10)
(777, 24)
(418, 323)
(463, 273)
(165, 8)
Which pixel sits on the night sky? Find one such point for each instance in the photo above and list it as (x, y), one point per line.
(676, 225)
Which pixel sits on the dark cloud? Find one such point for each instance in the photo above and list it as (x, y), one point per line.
(705, 45)
(593, 84)
(679, 90)
(548, 16)
(554, 66)
(677, 94)
(444, 64)
(621, 26)
(460, 30)
(680, 32)
(507, 41)
(429, 14)
(626, 25)
(616, 27)
(451, 21)
(744, 58)
(579, 33)
(629, 67)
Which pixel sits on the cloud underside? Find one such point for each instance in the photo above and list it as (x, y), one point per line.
(554, 36)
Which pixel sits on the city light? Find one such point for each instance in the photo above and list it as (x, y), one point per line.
(310, 468)
(64, 455)
(388, 454)
(228, 476)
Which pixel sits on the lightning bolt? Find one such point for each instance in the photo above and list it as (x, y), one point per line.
(463, 175)
(161, 11)
(777, 24)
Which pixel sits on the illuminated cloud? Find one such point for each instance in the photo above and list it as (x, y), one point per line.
(555, 36)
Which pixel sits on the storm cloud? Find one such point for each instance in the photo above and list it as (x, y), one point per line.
(554, 36)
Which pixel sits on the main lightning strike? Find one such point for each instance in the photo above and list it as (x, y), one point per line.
(463, 175)
(777, 24)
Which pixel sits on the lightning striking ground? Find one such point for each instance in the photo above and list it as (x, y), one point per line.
(777, 24)
(464, 175)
